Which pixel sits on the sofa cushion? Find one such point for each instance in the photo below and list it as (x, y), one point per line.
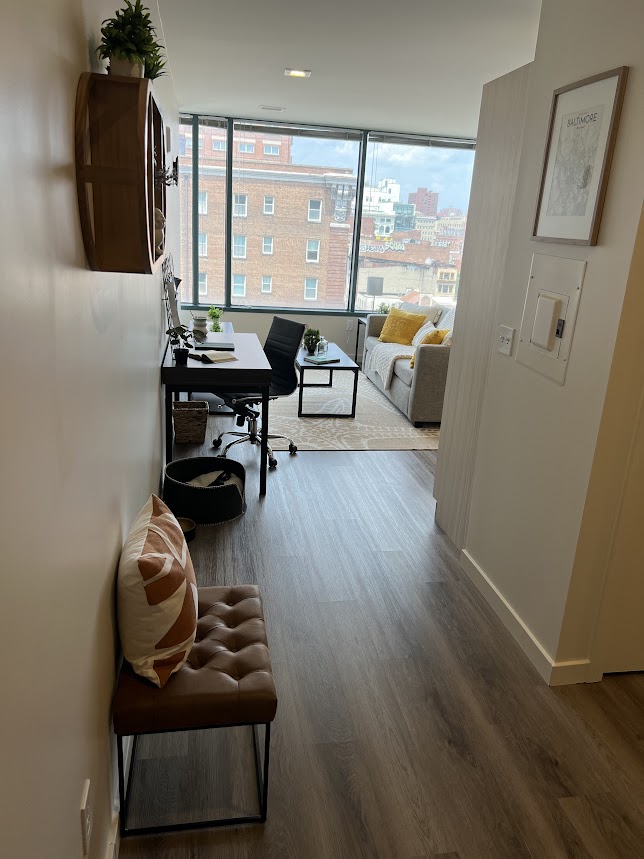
(431, 312)
(403, 370)
(157, 594)
(400, 327)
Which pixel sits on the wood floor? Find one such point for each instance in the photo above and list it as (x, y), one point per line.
(409, 725)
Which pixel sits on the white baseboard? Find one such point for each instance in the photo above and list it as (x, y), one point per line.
(554, 673)
(114, 840)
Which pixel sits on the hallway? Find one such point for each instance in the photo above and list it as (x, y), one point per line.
(409, 725)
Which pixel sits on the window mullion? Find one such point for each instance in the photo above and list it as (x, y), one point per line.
(228, 240)
(357, 222)
(195, 209)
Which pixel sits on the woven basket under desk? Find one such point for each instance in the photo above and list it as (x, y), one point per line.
(190, 420)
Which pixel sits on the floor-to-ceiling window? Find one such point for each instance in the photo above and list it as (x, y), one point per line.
(319, 219)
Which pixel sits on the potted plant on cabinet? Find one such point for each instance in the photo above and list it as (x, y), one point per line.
(178, 335)
(311, 339)
(129, 42)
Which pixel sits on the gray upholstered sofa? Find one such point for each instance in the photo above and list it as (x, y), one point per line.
(417, 392)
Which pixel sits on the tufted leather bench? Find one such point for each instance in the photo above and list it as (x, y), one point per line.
(227, 681)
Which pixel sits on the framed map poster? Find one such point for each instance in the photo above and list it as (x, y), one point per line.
(579, 149)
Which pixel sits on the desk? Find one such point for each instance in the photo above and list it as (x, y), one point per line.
(250, 373)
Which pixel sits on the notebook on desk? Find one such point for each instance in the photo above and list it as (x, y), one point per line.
(214, 357)
(216, 347)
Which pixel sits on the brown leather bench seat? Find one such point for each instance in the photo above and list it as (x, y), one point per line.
(227, 680)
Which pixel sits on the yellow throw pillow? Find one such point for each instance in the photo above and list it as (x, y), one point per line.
(434, 337)
(400, 327)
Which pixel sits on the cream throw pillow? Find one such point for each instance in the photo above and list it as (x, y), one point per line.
(425, 329)
(156, 594)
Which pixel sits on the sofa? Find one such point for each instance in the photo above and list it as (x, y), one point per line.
(419, 391)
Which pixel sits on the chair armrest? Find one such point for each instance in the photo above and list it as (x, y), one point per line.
(375, 324)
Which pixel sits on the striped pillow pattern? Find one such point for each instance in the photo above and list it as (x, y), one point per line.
(156, 594)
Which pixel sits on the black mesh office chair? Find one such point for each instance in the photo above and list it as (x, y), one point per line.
(281, 348)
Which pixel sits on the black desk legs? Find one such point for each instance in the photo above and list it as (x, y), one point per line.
(168, 425)
(264, 447)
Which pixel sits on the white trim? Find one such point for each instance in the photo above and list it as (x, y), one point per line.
(317, 286)
(316, 251)
(241, 238)
(574, 671)
(264, 240)
(554, 673)
(113, 840)
(237, 204)
(233, 294)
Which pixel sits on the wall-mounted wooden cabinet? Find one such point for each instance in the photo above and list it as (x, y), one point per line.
(120, 154)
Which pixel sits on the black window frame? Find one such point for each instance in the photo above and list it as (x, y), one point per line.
(362, 135)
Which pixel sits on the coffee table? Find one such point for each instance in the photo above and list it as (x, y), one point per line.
(343, 363)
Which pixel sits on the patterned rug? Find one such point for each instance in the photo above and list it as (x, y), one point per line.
(378, 425)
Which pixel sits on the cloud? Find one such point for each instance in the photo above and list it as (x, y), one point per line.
(448, 171)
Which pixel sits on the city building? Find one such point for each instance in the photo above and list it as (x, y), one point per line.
(426, 202)
(292, 224)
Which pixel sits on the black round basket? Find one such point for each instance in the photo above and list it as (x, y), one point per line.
(206, 505)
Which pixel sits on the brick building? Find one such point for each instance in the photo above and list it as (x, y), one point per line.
(292, 227)
(426, 202)
(292, 224)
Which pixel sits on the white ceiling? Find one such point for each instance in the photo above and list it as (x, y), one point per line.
(411, 65)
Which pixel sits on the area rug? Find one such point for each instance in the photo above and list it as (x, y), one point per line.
(378, 425)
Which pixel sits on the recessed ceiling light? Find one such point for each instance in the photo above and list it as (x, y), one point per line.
(271, 107)
(297, 73)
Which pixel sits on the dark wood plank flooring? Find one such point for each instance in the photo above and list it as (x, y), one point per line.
(410, 725)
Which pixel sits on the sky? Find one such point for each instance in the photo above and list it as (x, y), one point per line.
(448, 171)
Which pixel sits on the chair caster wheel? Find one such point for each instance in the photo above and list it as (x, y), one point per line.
(216, 442)
(272, 462)
(292, 449)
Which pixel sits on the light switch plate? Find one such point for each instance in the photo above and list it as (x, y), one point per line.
(558, 282)
(506, 336)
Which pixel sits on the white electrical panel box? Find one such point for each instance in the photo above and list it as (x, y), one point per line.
(549, 314)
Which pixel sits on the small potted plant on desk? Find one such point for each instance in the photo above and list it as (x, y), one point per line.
(180, 335)
(215, 314)
(311, 339)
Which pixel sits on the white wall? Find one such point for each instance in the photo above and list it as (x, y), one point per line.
(496, 168)
(334, 328)
(537, 439)
(80, 444)
(603, 618)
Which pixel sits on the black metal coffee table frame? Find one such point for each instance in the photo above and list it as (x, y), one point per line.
(344, 363)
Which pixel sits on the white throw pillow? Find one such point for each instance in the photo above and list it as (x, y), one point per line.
(422, 331)
(448, 340)
(157, 594)
(430, 311)
(447, 319)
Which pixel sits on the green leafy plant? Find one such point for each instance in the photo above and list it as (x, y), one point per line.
(383, 307)
(155, 64)
(129, 35)
(215, 314)
(311, 338)
(180, 337)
